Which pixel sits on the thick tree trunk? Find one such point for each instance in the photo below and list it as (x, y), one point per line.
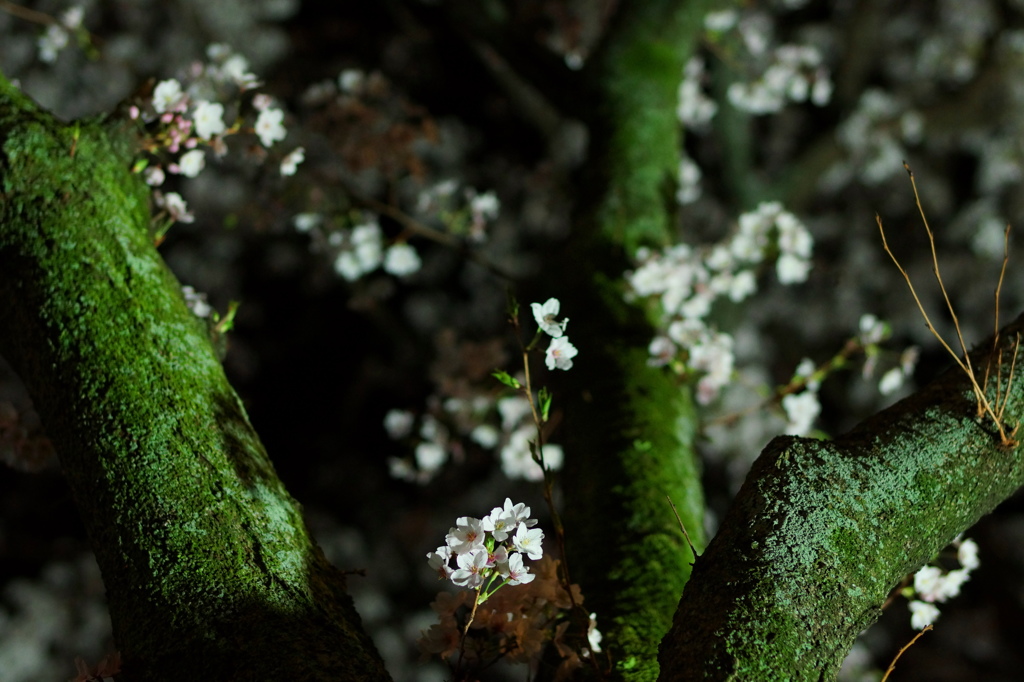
(822, 531)
(209, 568)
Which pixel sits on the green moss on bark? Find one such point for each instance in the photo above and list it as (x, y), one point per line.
(205, 556)
(630, 427)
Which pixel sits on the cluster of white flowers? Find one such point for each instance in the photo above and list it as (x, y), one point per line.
(518, 434)
(932, 585)
(872, 332)
(874, 136)
(489, 552)
(58, 33)
(689, 280)
(360, 250)
(560, 352)
(186, 117)
(695, 109)
(430, 453)
(802, 407)
(795, 73)
(473, 420)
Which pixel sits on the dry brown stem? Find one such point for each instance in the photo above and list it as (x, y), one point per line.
(984, 405)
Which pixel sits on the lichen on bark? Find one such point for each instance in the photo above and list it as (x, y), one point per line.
(822, 531)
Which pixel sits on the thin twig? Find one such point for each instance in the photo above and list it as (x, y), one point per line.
(682, 527)
(995, 334)
(556, 519)
(26, 13)
(1009, 381)
(938, 277)
(913, 292)
(984, 406)
(892, 666)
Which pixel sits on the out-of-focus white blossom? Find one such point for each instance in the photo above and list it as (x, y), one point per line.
(430, 457)
(192, 163)
(689, 181)
(351, 81)
(154, 176)
(167, 96)
(305, 222)
(290, 163)
(922, 614)
(695, 109)
(795, 74)
(175, 206)
(967, 555)
(196, 302)
(401, 260)
(801, 411)
(872, 330)
(890, 381)
(721, 21)
(270, 126)
(208, 119)
(53, 40)
(398, 423)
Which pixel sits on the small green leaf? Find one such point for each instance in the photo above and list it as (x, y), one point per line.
(506, 378)
(223, 325)
(544, 398)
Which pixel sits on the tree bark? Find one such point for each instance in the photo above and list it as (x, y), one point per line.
(208, 565)
(822, 531)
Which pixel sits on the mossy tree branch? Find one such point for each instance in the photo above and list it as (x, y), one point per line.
(822, 531)
(207, 562)
(630, 428)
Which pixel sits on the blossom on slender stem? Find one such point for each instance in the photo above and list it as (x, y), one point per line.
(545, 315)
(560, 353)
